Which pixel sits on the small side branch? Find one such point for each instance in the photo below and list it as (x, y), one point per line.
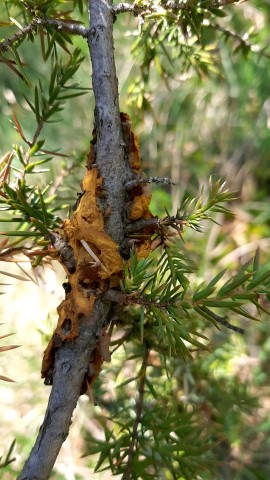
(223, 321)
(8, 42)
(171, 5)
(141, 224)
(72, 28)
(143, 180)
(225, 3)
(241, 39)
(68, 27)
(130, 299)
(135, 298)
(65, 250)
(139, 407)
(124, 7)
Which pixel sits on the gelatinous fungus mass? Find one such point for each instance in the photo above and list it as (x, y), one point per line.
(90, 275)
(99, 265)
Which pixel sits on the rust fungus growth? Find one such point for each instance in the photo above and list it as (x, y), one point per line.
(98, 263)
(140, 195)
(86, 228)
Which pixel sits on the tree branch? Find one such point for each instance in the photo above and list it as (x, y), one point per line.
(68, 27)
(124, 7)
(8, 42)
(223, 321)
(139, 406)
(241, 39)
(142, 180)
(72, 358)
(72, 28)
(131, 299)
(110, 146)
(71, 364)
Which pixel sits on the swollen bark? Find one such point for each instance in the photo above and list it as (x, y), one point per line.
(72, 359)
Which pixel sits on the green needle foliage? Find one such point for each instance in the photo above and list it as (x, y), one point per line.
(156, 436)
(186, 34)
(27, 206)
(173, 301)
(58, 90)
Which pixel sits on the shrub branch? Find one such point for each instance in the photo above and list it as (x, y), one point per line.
(73, 358)
(139, 408)
(68, 27)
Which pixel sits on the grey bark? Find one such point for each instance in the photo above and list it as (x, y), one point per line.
(71, 363)
(72, 359)
(110, 145)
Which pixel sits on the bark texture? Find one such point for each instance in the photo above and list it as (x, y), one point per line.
(71, 363)
(72, 358)
(110, 145)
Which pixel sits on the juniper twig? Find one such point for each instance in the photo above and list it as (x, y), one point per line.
(223, 321)
(143, 180)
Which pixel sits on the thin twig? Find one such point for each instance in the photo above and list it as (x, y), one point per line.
(69, 27)
(168, 4)
(121, 298)
(135, 298)
(32, 143)
(139, 225)
(37, 132)
(8, 42)
(72, 28)
(230, 33)
(223, 321)
(225, 3)
(121, 340)
(139, 406)
(65, 250)
(124, 7)
(242, 41)
(142, 180)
